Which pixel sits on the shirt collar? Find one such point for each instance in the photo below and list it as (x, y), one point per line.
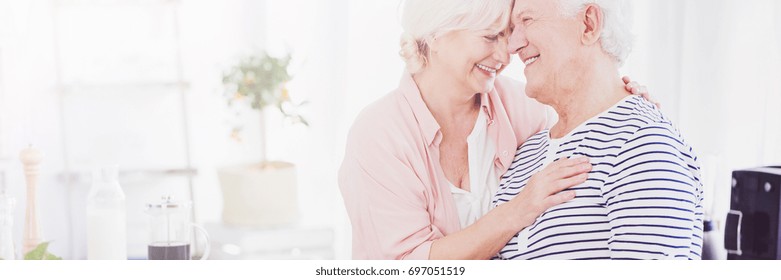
(428, 124)
(487, 106)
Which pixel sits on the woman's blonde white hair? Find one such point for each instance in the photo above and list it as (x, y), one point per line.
(616, 38)
(423, 20)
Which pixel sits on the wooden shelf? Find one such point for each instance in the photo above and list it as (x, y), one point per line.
(85, 176)
(111, 3)
(75, 88)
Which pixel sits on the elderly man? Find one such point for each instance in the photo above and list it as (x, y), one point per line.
(642, 199)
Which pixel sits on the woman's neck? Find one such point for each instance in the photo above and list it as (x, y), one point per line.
(448, 102)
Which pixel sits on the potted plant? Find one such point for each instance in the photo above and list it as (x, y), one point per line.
(262, 194)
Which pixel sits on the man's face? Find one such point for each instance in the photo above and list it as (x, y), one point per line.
(548, 44)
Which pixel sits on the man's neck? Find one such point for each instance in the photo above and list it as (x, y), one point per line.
(600, 89)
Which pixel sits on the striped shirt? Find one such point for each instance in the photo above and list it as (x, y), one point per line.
(642, 199)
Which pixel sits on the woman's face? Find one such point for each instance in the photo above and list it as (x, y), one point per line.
(471, 58)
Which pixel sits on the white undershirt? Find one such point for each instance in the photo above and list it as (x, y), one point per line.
(553, 148)
(483, 180)
(555, 143)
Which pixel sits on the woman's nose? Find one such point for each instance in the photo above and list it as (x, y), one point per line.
(516, 41)
(502, 54)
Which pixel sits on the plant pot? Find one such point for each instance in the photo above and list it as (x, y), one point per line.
(259, 195)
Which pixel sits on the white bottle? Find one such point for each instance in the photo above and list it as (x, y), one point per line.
(106, 217)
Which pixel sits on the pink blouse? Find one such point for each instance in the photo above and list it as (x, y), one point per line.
(394, 189)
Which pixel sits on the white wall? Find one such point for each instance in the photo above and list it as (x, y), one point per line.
(65, 67)
(715, 67)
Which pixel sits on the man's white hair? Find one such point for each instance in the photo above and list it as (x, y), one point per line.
(616, 38)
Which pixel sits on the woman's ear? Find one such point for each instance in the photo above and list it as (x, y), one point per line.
(432, 45)
(593, 19)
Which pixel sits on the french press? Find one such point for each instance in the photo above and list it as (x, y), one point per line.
(171, 231)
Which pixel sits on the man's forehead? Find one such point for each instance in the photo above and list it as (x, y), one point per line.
(522, 7)
(533, 7)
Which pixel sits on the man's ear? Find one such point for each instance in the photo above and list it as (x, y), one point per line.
(593, 19)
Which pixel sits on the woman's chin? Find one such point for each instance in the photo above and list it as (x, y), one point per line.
(485, 86)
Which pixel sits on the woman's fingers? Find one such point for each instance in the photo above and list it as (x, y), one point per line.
(567, 162)
(635, 88)
(558, 176)
(553, 167)
(643, 91)
(629, 85)
(658, 105)
(567, 183)
(570, 171)
(548, 187)
(566, 167)
(559, 194)
(558, 198)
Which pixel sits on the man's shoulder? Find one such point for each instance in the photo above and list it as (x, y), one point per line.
(535, 141)
(653, 148)
(649, 132)
(638, 109)
(631, 116)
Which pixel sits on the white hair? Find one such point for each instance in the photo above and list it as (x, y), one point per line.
(616, 38)
(423, 20)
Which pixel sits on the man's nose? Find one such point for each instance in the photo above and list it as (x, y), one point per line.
(516, 41)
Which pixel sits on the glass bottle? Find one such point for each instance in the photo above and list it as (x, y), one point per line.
(106, 217)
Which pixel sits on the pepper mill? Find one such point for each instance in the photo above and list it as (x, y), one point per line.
(31, 237)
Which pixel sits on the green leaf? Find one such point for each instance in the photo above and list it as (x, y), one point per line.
(258, 78)
(50, 256)
(40, 253)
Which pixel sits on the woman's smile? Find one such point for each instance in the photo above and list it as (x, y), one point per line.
(489, 71)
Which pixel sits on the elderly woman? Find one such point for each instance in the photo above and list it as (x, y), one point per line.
(642, 199)
(423, 162)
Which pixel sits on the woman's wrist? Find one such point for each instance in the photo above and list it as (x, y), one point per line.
(512, 217)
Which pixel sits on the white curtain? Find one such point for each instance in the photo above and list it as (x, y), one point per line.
(347, 53)
(715, 65)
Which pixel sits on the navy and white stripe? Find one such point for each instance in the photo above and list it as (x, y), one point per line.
(642, 200)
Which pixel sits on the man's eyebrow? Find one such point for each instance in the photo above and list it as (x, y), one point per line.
(517, 15)
(524, 11)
